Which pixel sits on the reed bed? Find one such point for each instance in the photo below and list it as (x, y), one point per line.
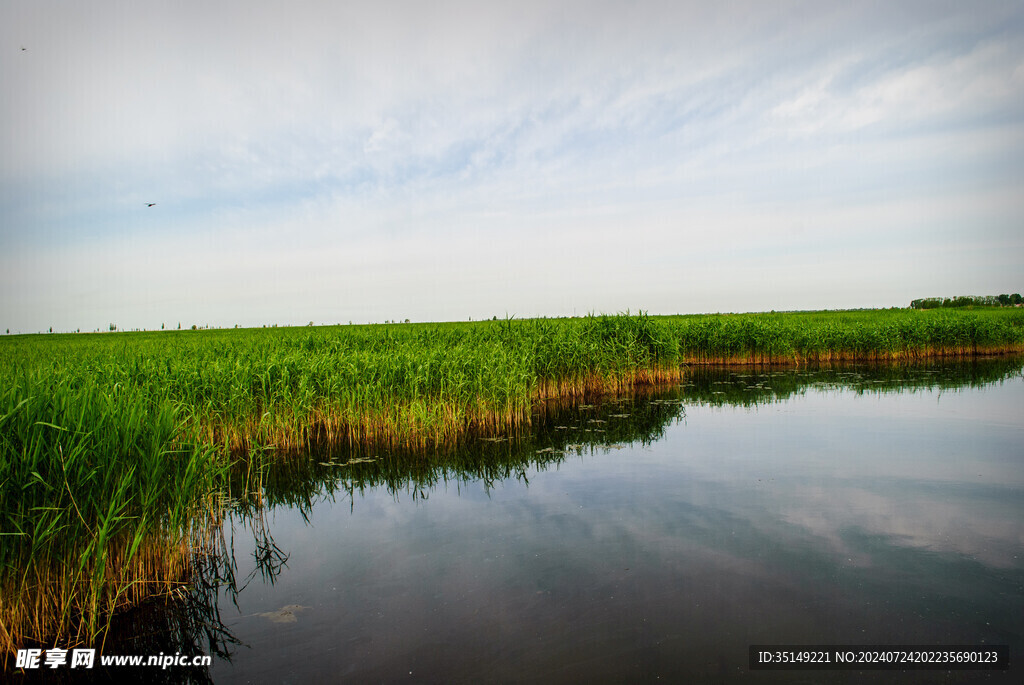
(114, 448)
(101, 505)
(563, 426)
(875, 335)
(417, 385)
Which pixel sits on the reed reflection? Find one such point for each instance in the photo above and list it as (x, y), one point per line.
(714, 521)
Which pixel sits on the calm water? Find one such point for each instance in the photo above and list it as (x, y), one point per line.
(653, 537)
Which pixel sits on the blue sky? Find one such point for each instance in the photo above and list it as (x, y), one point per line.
(341, 162)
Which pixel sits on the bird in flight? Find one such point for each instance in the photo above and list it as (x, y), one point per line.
(150, 204)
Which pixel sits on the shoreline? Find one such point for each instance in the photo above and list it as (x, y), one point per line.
(102, 436)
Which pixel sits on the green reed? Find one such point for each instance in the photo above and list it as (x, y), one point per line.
(114, 448)
(429, 383)
(100, 501)
(848, 336)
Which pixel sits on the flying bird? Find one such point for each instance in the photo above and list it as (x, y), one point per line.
(151, 204)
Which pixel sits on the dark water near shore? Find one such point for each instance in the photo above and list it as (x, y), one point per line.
(652, 537)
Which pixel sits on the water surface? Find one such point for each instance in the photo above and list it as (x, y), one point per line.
(652, 537)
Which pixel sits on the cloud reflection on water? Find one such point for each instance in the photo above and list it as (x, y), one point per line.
(827, 517)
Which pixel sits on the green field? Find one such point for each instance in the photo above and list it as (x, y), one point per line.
(423, 383)
(115, 448)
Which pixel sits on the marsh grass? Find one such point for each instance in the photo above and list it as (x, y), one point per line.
(101, 502)
(116, 449)
(874, 335)
(422, 385)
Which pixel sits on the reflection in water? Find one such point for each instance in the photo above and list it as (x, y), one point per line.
(608, 423)
(654, 535)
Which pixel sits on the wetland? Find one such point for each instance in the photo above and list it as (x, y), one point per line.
(642, 537)
(561, 499)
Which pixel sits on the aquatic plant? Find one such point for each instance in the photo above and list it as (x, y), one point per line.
(101, 504)
(847, 336)
(115, 447)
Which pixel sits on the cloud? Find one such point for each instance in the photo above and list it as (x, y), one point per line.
(321, 127)
(983, 83)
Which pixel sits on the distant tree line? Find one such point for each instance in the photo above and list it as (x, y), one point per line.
(967, 301)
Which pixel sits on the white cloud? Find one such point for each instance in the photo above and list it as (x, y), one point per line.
(942, 89)
(541, 149)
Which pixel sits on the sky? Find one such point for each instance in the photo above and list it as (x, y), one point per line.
(434, 161)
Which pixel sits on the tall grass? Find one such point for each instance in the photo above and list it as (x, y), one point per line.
(417, 385)
(565, 427)
(101, 504)
(114, 448)
(847, 336)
